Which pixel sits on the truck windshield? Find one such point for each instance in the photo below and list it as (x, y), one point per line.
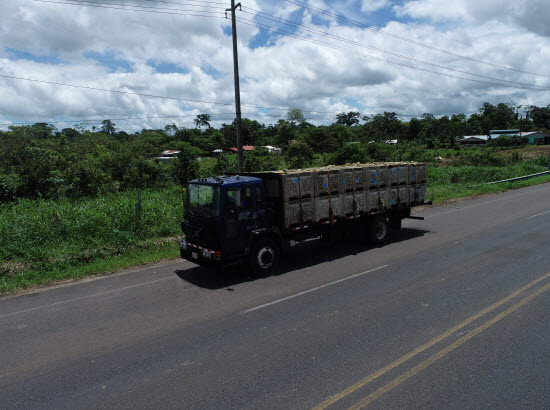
(202, 200)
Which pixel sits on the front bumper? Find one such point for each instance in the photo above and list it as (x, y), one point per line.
(198, 254)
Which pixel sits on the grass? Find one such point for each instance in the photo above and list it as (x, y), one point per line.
(43, 241)
(446, 183)
(439, 193)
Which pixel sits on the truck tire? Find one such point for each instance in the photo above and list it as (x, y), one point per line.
(264, 257)
(378, 230)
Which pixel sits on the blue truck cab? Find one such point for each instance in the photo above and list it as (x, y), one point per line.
(225, 219)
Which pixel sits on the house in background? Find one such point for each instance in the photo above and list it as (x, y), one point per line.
(272, 150)
(245, 148)
(469, 140)
(536, 137)
(494, 134)
(168, 155)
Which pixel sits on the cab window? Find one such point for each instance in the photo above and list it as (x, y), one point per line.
(238, 199)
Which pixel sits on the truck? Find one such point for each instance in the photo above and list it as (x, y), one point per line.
(257, 217)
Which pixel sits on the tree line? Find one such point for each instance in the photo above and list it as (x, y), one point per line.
(41, 161)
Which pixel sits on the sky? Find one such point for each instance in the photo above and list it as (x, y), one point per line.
(149, 63)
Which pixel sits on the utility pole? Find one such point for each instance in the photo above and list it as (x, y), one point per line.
(237, 87)
(517, 115)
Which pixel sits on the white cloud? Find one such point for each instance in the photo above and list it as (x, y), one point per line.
(282, 72)
(369, 6)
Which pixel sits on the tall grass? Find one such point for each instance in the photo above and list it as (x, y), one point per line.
(447, 182)
(470, 174)
(38, 237)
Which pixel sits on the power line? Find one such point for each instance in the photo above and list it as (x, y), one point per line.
(142, 9)
(402, 64)
(339, 17)
(352, 42)
(192, 3)
(153, 95)
(69, 121)
(288, 22)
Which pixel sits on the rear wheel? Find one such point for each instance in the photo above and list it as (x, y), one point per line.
(378, 229)
(264, 257)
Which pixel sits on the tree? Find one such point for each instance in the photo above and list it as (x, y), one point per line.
(385, 126)
(108, 127)
(185, 167)
(299, 155)
(540, 116)
(171, 129)
(348, 118)
(43, 129)
(202, 120)
(295, 116)
(321, 140)
(351, 153)
(224, 165)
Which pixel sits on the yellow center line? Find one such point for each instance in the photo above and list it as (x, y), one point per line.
(361, 383)
(407, 375)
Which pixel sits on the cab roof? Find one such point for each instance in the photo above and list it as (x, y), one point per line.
(227, 180)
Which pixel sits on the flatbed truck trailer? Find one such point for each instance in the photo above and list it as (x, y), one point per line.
(256, 217)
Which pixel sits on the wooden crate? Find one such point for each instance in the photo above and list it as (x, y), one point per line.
(359, 178)
(346, 180)
(421, 173)
(321, 181)
(323, 205)
(393, 174)
(353, 202)
(412, 194)
(384, 195)
(299, 212)
(384, 175)
(297, 184)
(373, 202)
(404, 195)
(394, 196)
(372, 177)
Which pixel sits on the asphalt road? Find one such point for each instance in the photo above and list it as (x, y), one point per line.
(453, 313)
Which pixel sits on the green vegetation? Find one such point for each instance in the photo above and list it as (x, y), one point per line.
(68, 198)
(45, 240)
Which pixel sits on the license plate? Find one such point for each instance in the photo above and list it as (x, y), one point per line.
(194, 255)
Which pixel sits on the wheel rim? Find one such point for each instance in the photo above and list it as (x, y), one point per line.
(380, 230)
(266, 256)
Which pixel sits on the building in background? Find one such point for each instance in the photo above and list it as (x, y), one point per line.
(168, 155)
(470, 140)
(245, 148)
(536, 137)
(494, 134)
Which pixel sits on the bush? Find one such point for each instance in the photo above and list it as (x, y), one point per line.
(299, 155)
(10, 187)
(351, 153)
(184, 168)
(262, 160)
(225, 164)
(480, 157)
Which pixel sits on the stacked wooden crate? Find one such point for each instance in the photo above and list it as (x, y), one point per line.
(333, 192)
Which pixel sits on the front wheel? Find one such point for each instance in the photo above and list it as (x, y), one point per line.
(378, 230)
(264, 257)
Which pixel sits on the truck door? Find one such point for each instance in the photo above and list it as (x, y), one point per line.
(239, 218)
